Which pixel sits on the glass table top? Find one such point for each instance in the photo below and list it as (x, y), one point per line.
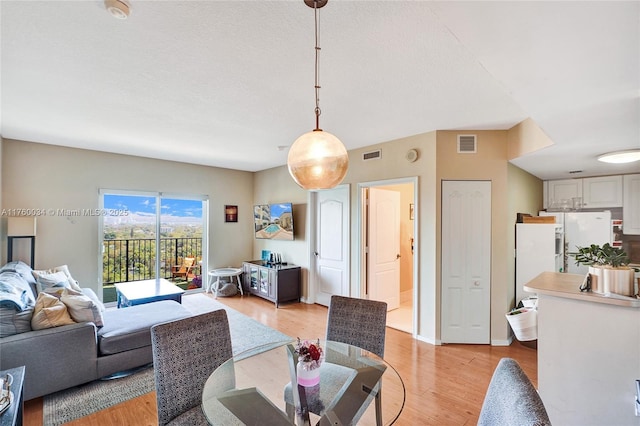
(250, 389)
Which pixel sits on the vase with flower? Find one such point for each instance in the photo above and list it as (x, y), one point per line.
(309, 359)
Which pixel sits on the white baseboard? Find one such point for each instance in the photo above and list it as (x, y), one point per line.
(507, 342)
(429, 341)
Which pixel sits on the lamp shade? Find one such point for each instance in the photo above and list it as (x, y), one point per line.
(21, 227)
(318, 160)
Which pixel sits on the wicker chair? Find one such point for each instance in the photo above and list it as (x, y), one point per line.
(203, 342)
(511, 399)
(357, 322)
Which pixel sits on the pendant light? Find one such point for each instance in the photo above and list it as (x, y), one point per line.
(317, 159)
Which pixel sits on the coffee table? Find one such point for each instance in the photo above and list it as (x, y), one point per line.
(139, 292)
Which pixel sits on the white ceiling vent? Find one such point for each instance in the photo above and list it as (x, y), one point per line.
(372, 155)
(467, 144)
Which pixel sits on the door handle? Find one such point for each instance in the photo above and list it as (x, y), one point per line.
(315, 253)
(397, 256)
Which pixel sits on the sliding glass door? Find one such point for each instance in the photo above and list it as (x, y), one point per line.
(152, 235)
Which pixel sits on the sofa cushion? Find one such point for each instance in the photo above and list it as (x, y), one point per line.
(130, 328)
(81, 307)
(13, 321)
(49, 312)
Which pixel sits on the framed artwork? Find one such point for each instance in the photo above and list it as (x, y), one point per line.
(230, 213)
(411, 211)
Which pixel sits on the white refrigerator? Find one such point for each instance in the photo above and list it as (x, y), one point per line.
(539, 248)
(582, 229)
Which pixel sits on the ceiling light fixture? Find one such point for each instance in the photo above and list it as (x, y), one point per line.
(119, 9)
(619, 157)
(317, 159)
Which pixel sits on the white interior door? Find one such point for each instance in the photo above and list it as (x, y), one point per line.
(332, 239)
(384, 247)
(466, 261)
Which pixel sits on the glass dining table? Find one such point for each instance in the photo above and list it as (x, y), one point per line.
(254, 388)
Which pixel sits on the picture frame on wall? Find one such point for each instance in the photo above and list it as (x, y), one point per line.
(230, 213)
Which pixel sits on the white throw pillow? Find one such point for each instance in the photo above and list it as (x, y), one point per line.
(48, 280)
(81, 307)
(72, 283)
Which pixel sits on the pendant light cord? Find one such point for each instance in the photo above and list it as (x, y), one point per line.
(317, 70)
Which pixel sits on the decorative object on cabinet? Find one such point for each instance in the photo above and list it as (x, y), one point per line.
(230, 213)
(277, 283)
(608, 267)
(21, 227)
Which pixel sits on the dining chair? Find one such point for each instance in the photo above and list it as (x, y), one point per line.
(353, 321)
(185, 353)
(511, 399)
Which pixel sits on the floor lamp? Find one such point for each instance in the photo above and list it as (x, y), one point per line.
(18, 228)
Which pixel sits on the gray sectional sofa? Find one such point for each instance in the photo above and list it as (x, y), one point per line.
(69, 355)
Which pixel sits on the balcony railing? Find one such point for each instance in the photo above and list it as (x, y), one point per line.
(135, 259)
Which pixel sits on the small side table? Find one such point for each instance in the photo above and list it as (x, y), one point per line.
(223, 272)
(13, 415)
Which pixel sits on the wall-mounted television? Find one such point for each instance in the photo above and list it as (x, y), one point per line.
(273, 221)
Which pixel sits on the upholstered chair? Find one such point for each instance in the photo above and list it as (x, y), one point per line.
(357, 322)
(185, 353)
(511, 399)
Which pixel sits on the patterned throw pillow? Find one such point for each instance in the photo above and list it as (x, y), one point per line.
(56, 279)
(49, 312)
(71, 282)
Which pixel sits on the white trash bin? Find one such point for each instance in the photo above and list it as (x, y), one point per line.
(524, 323)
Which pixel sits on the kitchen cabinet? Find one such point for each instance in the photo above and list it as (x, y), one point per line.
(277, 283)
(631, 205)
(561, 192)
(594, 192)
(603, 191)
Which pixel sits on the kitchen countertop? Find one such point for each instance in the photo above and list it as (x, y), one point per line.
(568, 286)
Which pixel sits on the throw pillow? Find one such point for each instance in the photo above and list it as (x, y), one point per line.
(65, 270)
(88, 292)
(81, 307)
(47, 280)
(49, 312)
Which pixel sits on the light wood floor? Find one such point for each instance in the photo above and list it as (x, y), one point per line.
(445, 385)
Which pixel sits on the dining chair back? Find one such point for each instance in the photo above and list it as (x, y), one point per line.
(185, 353)
(358, 322)
(511, 399)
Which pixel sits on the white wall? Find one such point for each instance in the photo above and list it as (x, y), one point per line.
(47, 176)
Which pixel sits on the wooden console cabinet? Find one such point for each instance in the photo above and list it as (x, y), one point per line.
(277, 283)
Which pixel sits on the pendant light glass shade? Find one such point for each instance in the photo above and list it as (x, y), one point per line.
(318, 160)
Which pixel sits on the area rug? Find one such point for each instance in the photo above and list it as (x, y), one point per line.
(247, 336)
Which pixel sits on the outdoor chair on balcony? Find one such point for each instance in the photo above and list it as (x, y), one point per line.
(186, 270)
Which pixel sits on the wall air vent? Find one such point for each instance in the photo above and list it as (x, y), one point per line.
(467, 144)
(372, 155)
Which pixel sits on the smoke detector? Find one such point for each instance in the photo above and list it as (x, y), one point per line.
(119, 9)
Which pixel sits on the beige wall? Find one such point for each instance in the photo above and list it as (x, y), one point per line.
(489, 163)
(525, 137)
(276, 186)
(48, 176)
(70, 178)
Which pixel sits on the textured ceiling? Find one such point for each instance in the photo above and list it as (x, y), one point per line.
(225, 83)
